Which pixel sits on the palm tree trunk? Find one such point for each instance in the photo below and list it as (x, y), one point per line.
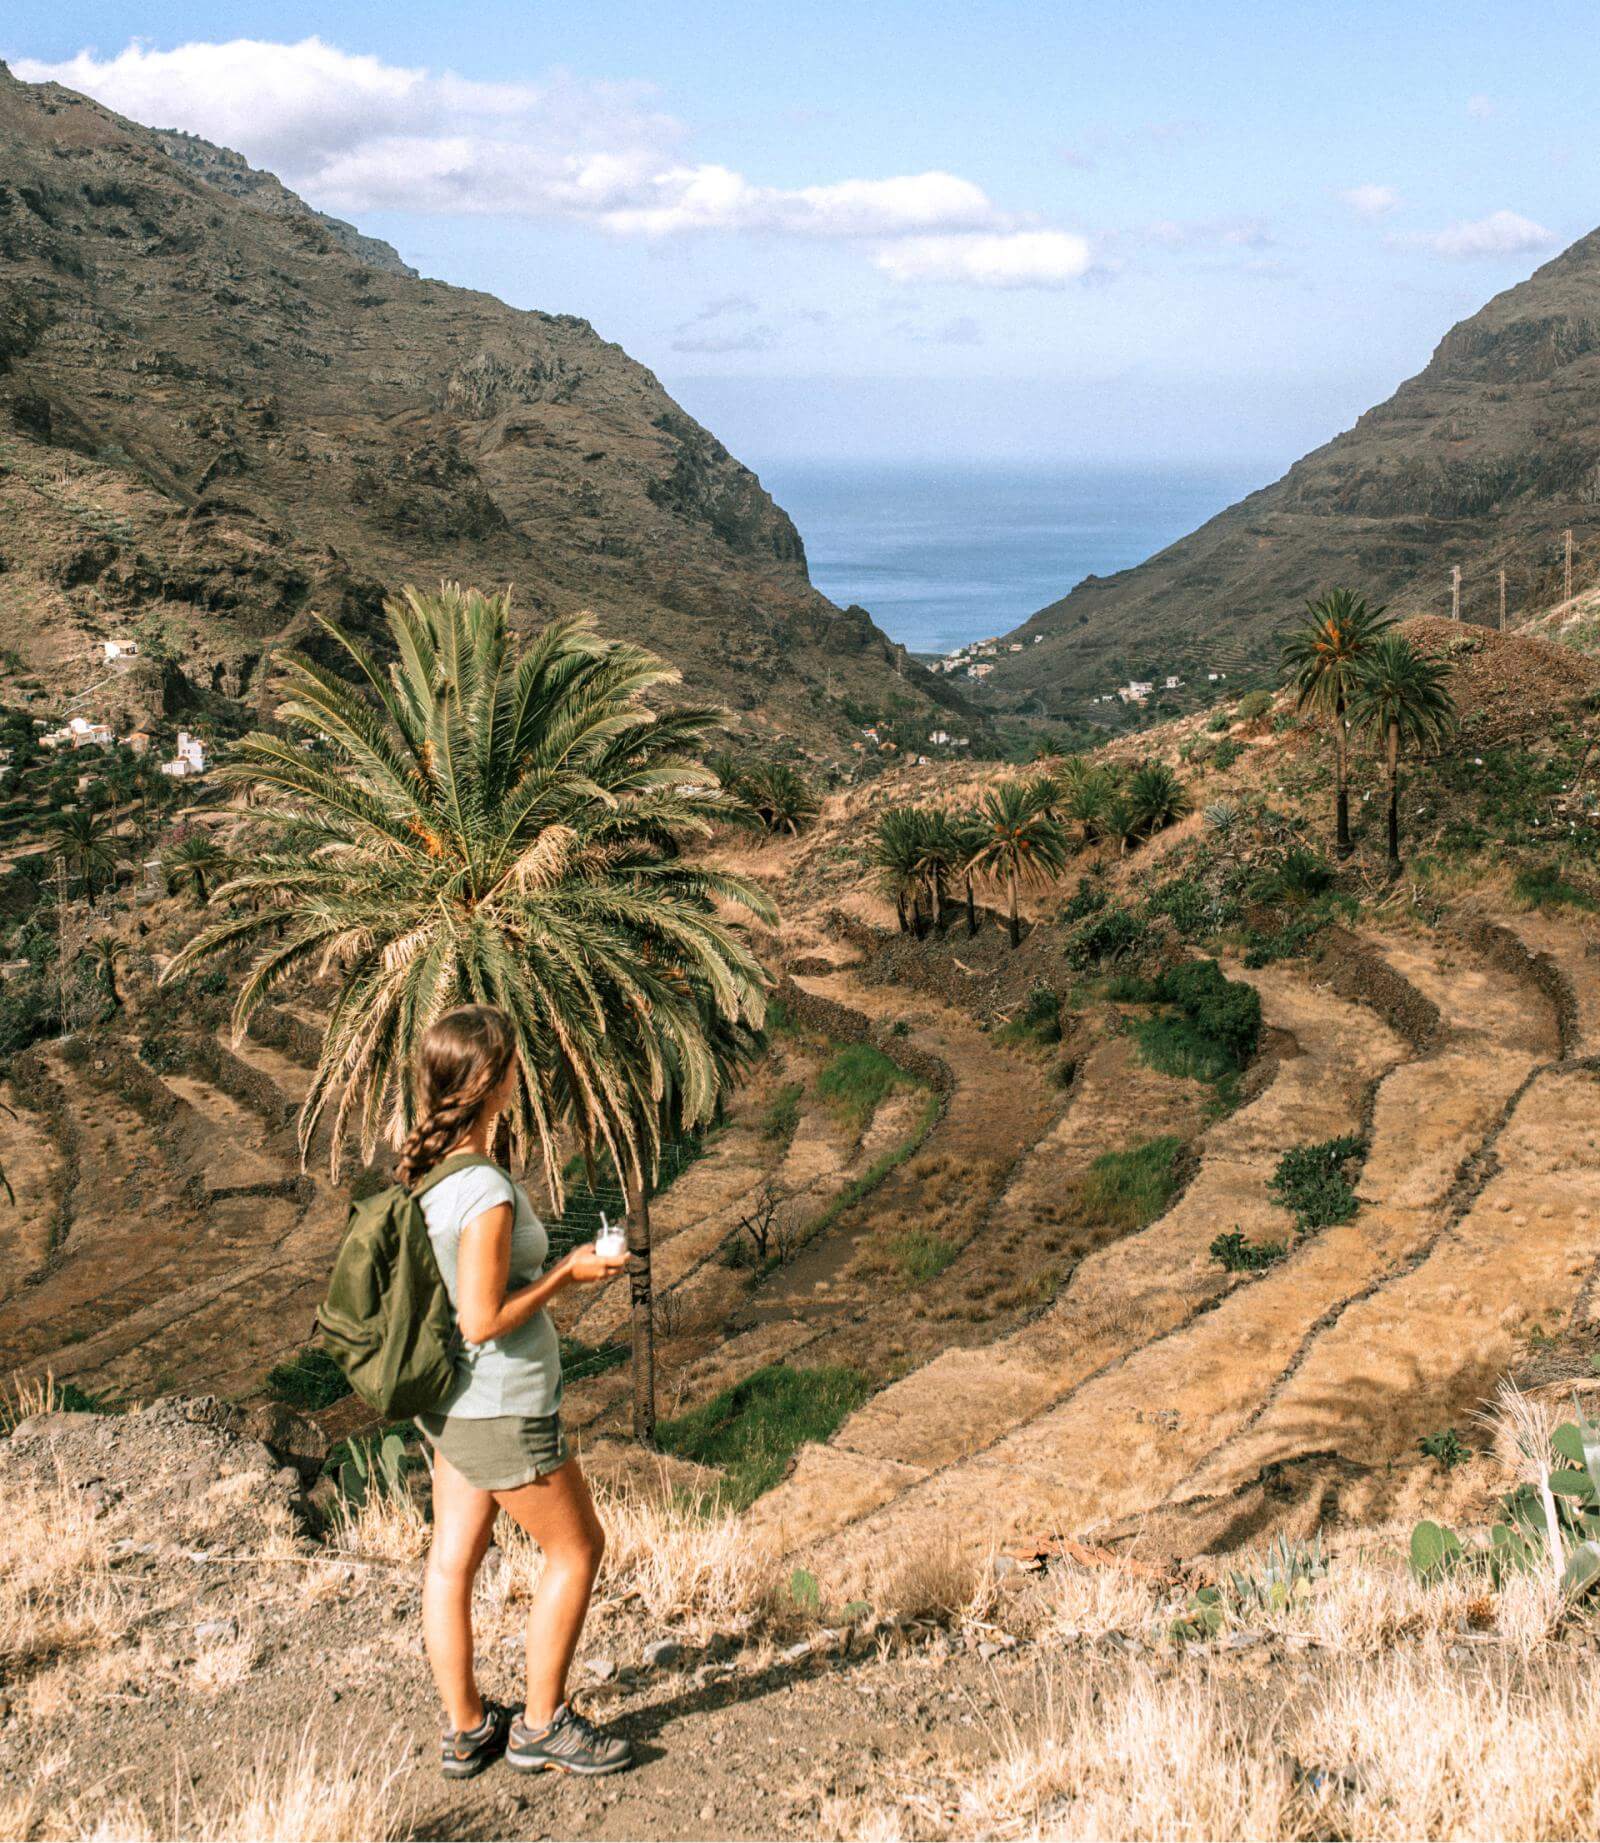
(935, 891)
(972, 911)
(900, 912)
(1341, 778)
(1394, 799)
(642, 1298)
(1016, 930)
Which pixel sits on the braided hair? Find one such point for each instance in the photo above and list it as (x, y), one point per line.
(464, 1057)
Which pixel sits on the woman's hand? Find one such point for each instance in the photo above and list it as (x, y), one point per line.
(583, 1267)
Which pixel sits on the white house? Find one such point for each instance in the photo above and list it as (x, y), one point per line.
(1214, 676)
(1136, 690)
(939, 736)
(1173, 681)
(979, 671)
(121, 649)
(190, 758)
(1037, 638)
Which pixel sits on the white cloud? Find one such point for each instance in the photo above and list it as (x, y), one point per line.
(355, 134)
(716, 198)
(1371, 201)
(1212, 233)
(1482, 108)
(1502, 233)
(1010, 259)
(722, 304)
(741, 339)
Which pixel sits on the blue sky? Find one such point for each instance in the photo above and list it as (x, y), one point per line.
(1080, 233)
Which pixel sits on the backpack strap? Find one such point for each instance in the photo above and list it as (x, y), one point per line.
(447, 1167)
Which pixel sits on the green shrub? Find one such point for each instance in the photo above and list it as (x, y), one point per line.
(310, 1379)
(1241, 1256)
(1126, 1190)
(783, 1113)
(1227, 1012)
(1252, 705)
(754, 1428)
(1446, 1448)
(1226, 753)
(1218, 721)
(1105, 936)
(1185, 902)
(1086, 900)
(1039, 1020)
(1313, 1181)
(921, 1255)
(855, 1079)
(1543, 886)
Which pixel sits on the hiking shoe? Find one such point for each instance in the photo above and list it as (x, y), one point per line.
(467, 1751)
(569, 1745)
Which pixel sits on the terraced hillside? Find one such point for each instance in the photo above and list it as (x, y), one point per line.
(977, 1181)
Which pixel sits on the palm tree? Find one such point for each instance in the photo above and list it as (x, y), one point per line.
(1086, 800)
(1322, 663)
(195, 863)
(498, 821)
(779, 797)
(81, 838)
(971, 831)
(941, 851)
(1021, 843)
(1156, 798)
(1402, 696)
(896, 854)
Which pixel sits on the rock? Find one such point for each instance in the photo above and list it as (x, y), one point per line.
(794, 1653)
(1242, 1641)
(601, 1669)
(989, 1649)
(216, 1631)
(663, 1654)
(290, 1437)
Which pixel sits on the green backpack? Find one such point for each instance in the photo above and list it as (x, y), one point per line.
(387, 1320)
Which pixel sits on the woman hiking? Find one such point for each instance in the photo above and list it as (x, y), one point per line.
(497, 1441)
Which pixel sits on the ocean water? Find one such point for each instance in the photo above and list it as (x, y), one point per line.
(940, 555)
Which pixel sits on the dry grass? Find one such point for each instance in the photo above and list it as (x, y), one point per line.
(680, 1564)
(1409, 1745)
(56, 1591)
(295, 1791)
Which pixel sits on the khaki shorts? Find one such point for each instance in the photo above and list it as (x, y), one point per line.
(501, 1452)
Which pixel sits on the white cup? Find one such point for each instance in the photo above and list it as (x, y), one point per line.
(611, 1241)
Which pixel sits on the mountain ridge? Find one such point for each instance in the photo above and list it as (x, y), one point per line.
(1481, 460)
(221, 409)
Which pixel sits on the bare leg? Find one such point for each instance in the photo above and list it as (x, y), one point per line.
(463, 1519)
(558, 1513)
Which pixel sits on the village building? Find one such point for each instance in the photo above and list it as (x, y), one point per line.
(118, 650)
(190, 759)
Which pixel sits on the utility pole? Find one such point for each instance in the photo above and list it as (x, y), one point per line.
(1455, 592)
(1502, 598)
(1568, 595)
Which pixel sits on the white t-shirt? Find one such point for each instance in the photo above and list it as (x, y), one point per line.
(519, 1373)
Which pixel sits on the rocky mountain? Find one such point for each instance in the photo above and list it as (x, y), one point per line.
(221, 411)
(1483, 460)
